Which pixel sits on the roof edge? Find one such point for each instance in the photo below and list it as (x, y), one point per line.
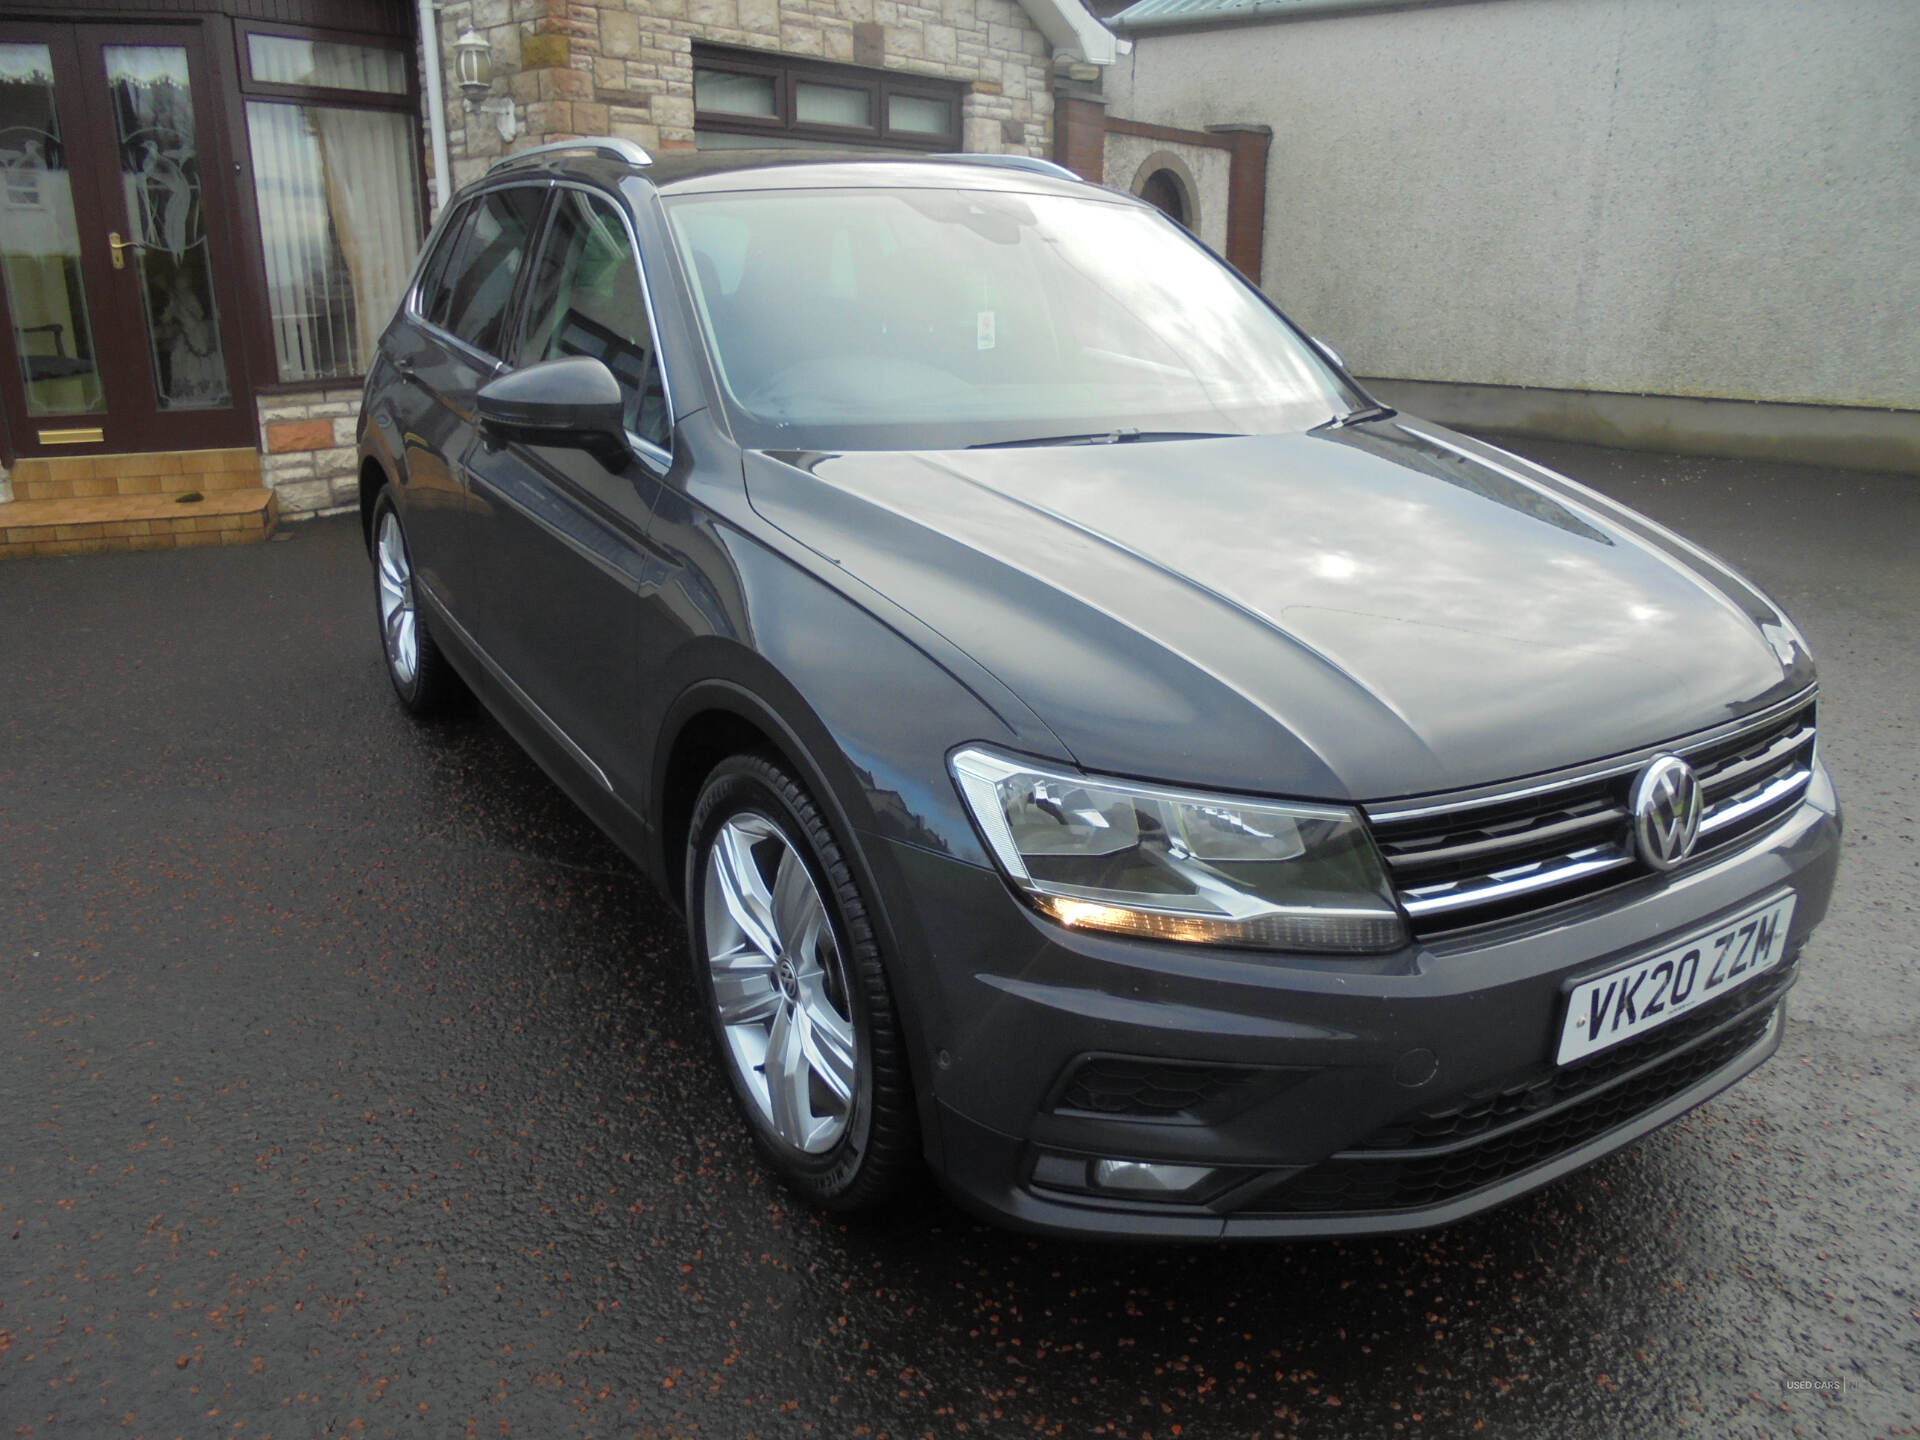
(1069, 25)
(1148, 16)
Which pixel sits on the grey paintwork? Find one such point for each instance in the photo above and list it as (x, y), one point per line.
(1362, 612)
(1353, 614)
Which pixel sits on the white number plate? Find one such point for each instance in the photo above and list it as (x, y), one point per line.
(1648, 993)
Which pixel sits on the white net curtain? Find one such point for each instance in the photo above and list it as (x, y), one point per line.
(339, 200)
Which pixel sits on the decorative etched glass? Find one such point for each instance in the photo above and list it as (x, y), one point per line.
(152, 101)
(40, 243)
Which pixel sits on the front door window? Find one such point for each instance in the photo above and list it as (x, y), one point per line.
(40, 243)
(152, 102)
(585, 299)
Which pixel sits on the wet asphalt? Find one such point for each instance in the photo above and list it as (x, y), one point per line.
(351, 1083)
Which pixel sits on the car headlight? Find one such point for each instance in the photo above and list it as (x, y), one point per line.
(1169, 864)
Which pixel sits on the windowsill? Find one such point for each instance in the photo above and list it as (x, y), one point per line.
(308, 387)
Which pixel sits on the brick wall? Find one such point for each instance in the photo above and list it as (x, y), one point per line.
(627, 69)
(307, 451)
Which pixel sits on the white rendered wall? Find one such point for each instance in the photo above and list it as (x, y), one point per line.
(1125, 157)
(1677, 197)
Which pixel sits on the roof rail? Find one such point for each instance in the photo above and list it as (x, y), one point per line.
(595, 145)
(1013, 162)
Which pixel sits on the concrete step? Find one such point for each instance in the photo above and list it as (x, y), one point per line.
(82, 477)
(135, 522)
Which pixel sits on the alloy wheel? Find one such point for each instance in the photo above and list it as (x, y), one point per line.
(779, 984)
(398, 622)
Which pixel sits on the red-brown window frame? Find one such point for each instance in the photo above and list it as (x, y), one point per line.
(407, 103)
(788, 72)
(408, 99)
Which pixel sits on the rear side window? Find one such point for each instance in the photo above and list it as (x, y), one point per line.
(585, 299)
(436, 279)
(471, 299)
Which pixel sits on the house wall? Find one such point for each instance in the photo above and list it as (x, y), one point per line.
(627, 69)
(308, 450)
(1671, 197)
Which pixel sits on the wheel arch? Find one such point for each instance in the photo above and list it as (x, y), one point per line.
(725, 714)
(373, 479)
(379, 467)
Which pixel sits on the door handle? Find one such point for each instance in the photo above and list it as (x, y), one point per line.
(119, 246)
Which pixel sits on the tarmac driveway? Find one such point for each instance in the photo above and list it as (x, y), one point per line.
(349, 1082)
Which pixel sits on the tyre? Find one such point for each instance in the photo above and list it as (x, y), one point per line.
(787, 967)
(422, 678)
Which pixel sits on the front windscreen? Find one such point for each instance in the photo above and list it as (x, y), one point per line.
(902, 318)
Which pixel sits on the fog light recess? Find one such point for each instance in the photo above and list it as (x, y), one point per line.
(1141, 1177)
(1134, 1179)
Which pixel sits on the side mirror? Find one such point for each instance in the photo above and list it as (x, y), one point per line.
(572, 401)
(1331, 353)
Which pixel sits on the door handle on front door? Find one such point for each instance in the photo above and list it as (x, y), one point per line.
(119, 246)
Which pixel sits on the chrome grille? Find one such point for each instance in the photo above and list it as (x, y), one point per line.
(1491, 855)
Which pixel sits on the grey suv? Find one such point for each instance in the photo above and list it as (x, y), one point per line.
(1100, 752)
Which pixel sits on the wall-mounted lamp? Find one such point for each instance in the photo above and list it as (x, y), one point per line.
(473, 65)
(473, 71)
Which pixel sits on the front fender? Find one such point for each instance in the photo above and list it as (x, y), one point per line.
(865, 721)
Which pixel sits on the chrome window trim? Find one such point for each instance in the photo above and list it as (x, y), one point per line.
(1477, 796)
(648, 451)
(473, 352)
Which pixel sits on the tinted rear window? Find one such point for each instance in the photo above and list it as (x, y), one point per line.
(479, 282)
(435, 280)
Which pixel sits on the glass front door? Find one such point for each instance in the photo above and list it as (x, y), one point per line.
(120, 327)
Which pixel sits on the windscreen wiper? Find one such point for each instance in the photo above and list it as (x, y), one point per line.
(1126, 436)
(1359, 417)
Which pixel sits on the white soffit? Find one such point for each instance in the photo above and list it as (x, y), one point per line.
(1068, 25)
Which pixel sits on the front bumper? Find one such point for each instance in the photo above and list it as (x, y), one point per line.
(1328, 1096)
